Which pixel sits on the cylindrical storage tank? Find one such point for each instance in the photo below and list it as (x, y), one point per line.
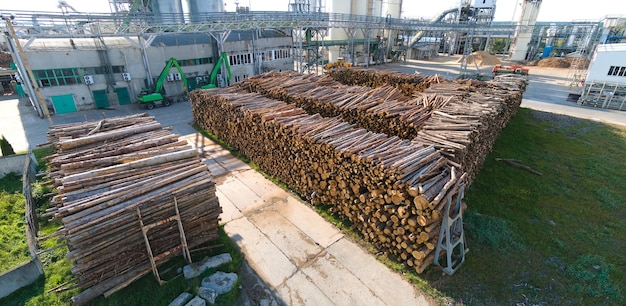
(168, 11)
(392, 8)
(359, 7)
(199, 9)
(374, 8)
(338, 7)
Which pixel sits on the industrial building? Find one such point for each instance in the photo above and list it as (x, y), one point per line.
(605, 82)
(82, 61)
(80, 73)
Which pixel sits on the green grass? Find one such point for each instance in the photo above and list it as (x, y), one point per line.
(13, 247)
(555, 239)
(145, 291)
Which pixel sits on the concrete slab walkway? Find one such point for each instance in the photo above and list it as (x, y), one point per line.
(302, 258)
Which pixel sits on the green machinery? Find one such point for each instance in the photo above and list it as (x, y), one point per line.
(212, 80)
(156, 97)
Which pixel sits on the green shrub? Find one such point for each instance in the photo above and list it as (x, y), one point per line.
(6, 147)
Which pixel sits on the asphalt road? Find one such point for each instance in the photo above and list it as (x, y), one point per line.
(547, 89)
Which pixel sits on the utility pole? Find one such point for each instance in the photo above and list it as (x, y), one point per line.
(18, 53)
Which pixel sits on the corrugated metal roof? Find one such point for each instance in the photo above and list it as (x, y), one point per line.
(167, 40)
(200, 38)
(612, 47)
(61, 44)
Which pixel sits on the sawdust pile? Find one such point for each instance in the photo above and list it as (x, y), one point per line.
(481, 58)
(562, 62)
(554, 62)
(5, 60)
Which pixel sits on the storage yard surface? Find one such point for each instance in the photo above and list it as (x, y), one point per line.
(292, 249)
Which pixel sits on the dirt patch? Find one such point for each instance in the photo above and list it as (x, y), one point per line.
(5, 60)
(572, 126)
(254, 291)
(481, 58)
(562, 122)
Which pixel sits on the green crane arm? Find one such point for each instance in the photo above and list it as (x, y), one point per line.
(171, 62)
(222, 59)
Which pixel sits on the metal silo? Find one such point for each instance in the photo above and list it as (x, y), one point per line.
(391, 8)
(199, 9)
(168, 11)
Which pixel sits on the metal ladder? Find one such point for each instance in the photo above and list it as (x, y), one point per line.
(451, 236)
(183, 246)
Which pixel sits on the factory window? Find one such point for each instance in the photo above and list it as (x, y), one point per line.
(240, 59)
(617, 71)
(195, 61)
(282, 53)
(57, 77)
(102, 70)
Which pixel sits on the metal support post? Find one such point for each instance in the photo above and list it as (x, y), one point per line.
(29, 73)
(220, 37)
(367, 33)
(143, 43)
(351, 33)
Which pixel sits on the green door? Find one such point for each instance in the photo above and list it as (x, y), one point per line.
(122, 95)
(101, 98)
(63, 104)
(191, 84)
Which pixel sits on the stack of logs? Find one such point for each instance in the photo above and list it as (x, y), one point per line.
(461, 118)
(384, 109)
(466, 128)
(467, 125)
(103, 172)
(409, 84)
(393, 190)
(404, 149)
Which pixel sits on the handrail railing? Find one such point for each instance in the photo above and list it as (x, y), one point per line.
(51, 24)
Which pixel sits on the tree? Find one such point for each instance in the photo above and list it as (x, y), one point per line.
(6, 147)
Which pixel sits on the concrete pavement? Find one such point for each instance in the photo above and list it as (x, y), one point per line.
(301, 257)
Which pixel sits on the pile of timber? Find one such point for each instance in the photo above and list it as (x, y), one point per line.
(409, 84)
(104, 172)
(393, 190)
(461, 118)
(382, 110)
(466, 128)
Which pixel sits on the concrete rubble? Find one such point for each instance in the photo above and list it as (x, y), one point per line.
(196, 268)
(182, 299)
